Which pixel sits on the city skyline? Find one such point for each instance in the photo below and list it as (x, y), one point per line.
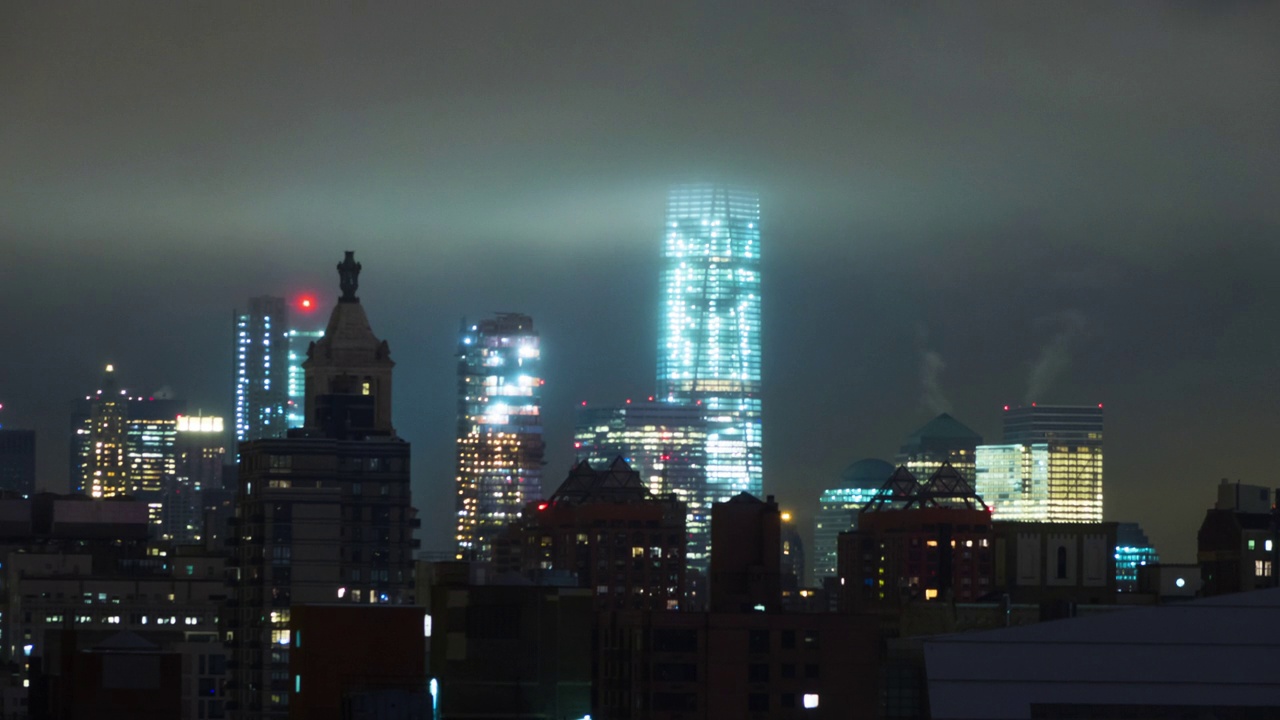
(1019, 207)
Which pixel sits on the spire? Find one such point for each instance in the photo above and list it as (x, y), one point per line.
(349, 277)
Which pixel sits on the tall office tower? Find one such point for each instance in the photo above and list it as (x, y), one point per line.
(200, 453)
(709, 343)
(18, 461)
(838, 511)
(262, 369)
(1054, 424)
(666, 444)
(1133, 550)
(942, 440)
(323, 515)
(150, 450)
(123, 444)
(105, 459)
(500, 446)
(299, 342)
(1049, 468)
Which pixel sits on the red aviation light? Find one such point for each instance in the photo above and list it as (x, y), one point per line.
(307, 303)
(543, 506)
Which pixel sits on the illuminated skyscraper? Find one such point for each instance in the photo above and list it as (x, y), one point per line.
(106, 441)
(299, 341)
(942, 440)
(123, 444)
(666, 444)
(1133, 550)
(500, 445)
(709, 344)
(262, 369)
(1049, 468)
(838, 511)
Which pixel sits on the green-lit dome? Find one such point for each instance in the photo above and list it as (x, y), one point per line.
(867, 473)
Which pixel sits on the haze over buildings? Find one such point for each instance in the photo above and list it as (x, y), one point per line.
(995, 177)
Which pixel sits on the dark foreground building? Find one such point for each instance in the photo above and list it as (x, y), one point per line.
(323, 515)
(606, 530)
(355, 661)
(745, 658)
(510, 651)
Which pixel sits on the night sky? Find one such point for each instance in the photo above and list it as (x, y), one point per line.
(963, 206)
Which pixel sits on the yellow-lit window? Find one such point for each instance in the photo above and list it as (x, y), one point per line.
(364, 388)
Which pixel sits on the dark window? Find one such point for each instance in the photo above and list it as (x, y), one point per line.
(1062, 562)
(758, 673)
(788, 671)
(675, 702)
(788, 700)
(675, 672)
(758, 702)
(675, 640)
(759, 641)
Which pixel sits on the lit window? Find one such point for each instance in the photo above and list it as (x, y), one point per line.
(930, 593)
(810, 700)
(426, 626)
(1252, 544)
(1268, 546)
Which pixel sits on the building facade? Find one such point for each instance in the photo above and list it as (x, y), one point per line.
(499, 436)
(608, 532)
(666, 444)
(1238, 545)
(1133, 551)
(299, 343)
(323, 515)
(262, 369)
(709, 342)
(930, 541)
(18, 461)
(941, 441)
(1049, 468)
(838, 511)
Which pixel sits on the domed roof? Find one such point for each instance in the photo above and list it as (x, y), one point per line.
(866, 473)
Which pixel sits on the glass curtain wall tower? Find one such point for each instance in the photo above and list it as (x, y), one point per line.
(665, 443)
(262, 369)
(500, 445)
(1050, 467)
(709, 343)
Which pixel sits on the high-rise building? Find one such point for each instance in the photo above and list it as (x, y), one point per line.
(666, 444)
(299, 342)
(323, 515)
(1054, 424)
(1133, 550)
(200, 453)
(838, 511)
(1049, 468)
(123, 444)
(262, 369)
(18, 461)
(500, 447)
(106, 458)
(942, 440)
(709, 343)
